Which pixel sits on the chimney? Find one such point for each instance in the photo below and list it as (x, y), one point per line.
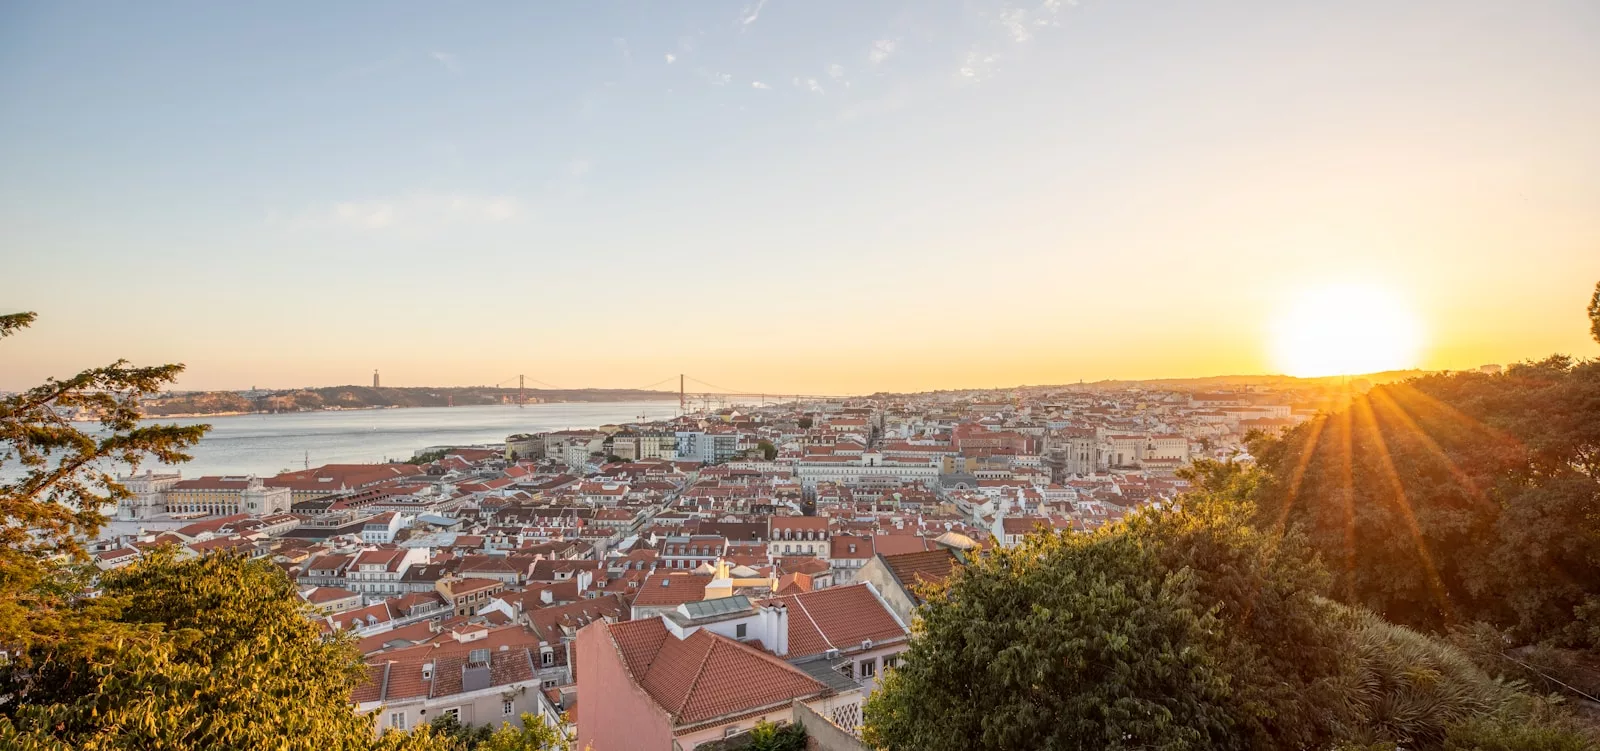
(546, 597)
(585, 578)
(774, 624)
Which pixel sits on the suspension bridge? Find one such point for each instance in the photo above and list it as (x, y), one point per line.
(703, 396)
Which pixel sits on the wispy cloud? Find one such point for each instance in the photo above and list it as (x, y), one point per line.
(716, 79)
(758, 85)
(977, 66)
(416, 211)
(809, 84)
(881, 50)
(671, 58)
(836, 71)
(364, 214)
(448, 60)
(1020, 22)
(622, 46)
(751, 13)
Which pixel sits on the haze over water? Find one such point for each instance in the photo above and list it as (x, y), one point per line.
(271, 443)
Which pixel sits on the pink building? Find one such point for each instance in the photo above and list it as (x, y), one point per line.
(644, 687)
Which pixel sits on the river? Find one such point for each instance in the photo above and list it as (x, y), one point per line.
(268, 444)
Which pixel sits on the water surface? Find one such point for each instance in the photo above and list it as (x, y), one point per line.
(269, 444)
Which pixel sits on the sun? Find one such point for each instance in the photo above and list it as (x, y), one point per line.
(1345, 329)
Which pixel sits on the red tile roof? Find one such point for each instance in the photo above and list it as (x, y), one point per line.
(706, 675)
(679, 588)
(837, 618)
(931, 567)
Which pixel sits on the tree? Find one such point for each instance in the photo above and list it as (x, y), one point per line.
(213, 652)
(535, 735)
(1594, 313)
(210, 653)
(766, 736)
(1062, 642)
(806, 422)
(768, 451)
(57, 496)
(460, 737)
(1454, 498)
(1181, 628)
(1285, 647)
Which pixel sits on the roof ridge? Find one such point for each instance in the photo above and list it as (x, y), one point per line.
(814, 624)
(698, 673)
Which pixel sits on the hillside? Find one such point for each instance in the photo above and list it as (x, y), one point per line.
(367, 397)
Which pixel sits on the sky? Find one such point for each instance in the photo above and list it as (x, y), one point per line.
(792, 197)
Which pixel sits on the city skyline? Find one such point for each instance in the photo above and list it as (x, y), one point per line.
(795, 198)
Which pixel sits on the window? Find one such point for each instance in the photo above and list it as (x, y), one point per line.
(740, 630)
(730, 731)
(506, 708)
(891, 662)
(397, 720)
(548, 683)
(478, 655)
(869, 669)
(547, 657)
(453, 713)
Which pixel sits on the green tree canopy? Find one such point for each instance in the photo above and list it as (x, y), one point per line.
(1183, 628)
(213, 652)
(1061, 642)
(1454, 498)
(209, 653)
(1594, 313)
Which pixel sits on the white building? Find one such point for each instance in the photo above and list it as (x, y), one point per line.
(707, 448)
(149, 497)
(381, 529)
(259, 500)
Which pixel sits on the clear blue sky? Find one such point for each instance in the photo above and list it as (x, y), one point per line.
(821, 197)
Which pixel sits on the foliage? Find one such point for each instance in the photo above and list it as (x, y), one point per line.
(1410, 688)
(428, 457)
(213, 652)
(459, 737)
(535, 735)
(210, 653)
(1061, 642)
(1181, 628)
(58, 494)
(1455, 498)
(1594, 314)
(1284, 646)
(1522, 724)
(806, 422)
(768, 450)
(766, 736)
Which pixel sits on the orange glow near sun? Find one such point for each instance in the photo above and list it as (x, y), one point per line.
(1345, 329)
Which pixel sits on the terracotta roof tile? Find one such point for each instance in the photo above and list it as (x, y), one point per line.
(706, 675)
(837, 618)
(680, 588)
(911, 569)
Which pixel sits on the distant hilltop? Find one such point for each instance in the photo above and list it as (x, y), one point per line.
(1280, 381)
(367, 397)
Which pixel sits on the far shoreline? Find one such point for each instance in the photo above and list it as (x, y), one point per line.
(193, 415)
